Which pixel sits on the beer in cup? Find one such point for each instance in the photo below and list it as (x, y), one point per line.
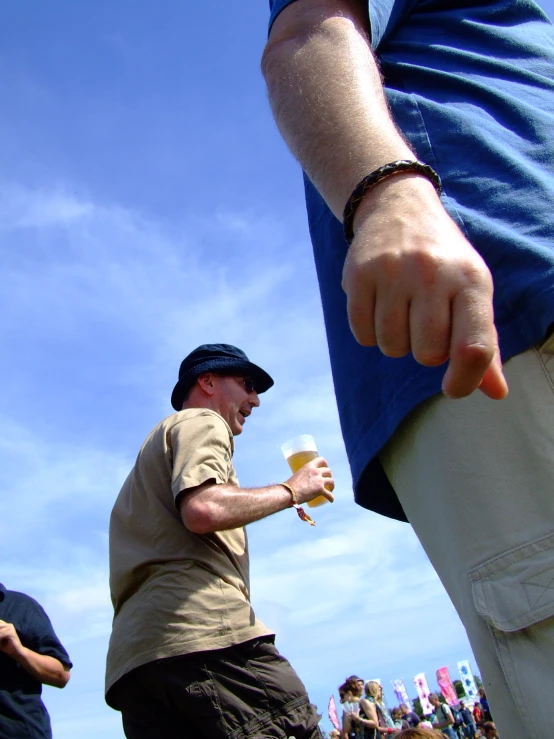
(298, 452)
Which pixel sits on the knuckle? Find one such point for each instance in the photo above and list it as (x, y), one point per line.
(474, 355)
(355, 273)
(427, 265)
(392, 342)
(390, 323)
(395, 351)
(391, 263)
(430, 357)
(363, 335)
(474, 270)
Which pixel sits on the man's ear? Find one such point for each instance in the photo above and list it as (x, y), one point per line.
(206, 381)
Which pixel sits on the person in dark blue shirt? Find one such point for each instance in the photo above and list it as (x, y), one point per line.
(30, 655)
(470, 730)
(410, 716)
(424, 128)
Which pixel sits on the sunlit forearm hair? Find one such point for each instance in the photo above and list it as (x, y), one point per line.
(327, 98)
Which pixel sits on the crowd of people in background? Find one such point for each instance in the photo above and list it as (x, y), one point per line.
(365, 715)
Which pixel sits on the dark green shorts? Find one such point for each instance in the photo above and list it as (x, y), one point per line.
(248, 691)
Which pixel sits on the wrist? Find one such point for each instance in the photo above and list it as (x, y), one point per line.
(398, 194)
(292, 499)
(21, 655)
(294, 504)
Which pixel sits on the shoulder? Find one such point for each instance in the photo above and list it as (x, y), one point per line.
(25, 612)
(202, 421)
(192, 423)
(23, 602)
(198, 417)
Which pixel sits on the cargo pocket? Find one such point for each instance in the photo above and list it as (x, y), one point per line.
(516, 589)
(514, 594)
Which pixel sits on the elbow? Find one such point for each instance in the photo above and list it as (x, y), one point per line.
(274, 59)
(62, 679)
(200, 526)
(284, 42)
(199, 518)
(298, 25)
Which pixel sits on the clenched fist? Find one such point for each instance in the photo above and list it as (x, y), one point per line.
(9, 640)
(415, 284)
(313, 479)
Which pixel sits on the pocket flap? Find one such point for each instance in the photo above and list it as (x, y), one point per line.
(516, 589)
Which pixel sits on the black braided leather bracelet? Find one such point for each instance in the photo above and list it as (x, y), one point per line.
(398, 167)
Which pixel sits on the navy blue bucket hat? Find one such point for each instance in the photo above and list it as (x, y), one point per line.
(222, 358)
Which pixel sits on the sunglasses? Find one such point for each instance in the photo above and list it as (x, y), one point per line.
(248, 383)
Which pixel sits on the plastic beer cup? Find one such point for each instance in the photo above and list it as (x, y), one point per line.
(298, 452)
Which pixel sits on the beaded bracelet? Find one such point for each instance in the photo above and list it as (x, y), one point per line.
(369, 182)
(301, 512)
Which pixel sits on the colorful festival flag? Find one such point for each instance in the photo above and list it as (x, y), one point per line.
(401, 692)
(333, 713)
(467, 679)
(446, 686)
(420, 682)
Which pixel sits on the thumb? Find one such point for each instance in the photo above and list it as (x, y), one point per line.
(494, 383)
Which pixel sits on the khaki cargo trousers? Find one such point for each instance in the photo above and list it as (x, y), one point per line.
(476, 480)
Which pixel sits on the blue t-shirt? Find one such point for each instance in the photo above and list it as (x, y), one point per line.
(471, 86)
(22, 712)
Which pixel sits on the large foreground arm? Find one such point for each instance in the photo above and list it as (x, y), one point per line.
(413, 282)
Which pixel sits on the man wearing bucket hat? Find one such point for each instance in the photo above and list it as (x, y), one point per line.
(187, 653)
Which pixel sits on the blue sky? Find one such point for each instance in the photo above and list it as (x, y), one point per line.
(148, 205)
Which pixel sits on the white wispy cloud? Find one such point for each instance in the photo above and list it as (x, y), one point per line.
(38, 209)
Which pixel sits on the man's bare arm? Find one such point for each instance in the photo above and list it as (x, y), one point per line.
(211, 507)
(42, 667)
(413, 282)
(326, 95)
(443, 724)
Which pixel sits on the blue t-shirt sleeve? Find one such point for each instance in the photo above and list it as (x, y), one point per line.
(40, 636)
(275, 7)
(383, 15)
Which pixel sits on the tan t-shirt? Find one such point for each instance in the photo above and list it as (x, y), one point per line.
(175, 592)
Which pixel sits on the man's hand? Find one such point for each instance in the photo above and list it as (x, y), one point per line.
(414, 283)
(9, 640)
(42, 667)
(313, 479)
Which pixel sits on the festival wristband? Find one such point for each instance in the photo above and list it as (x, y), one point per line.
(301, 512)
